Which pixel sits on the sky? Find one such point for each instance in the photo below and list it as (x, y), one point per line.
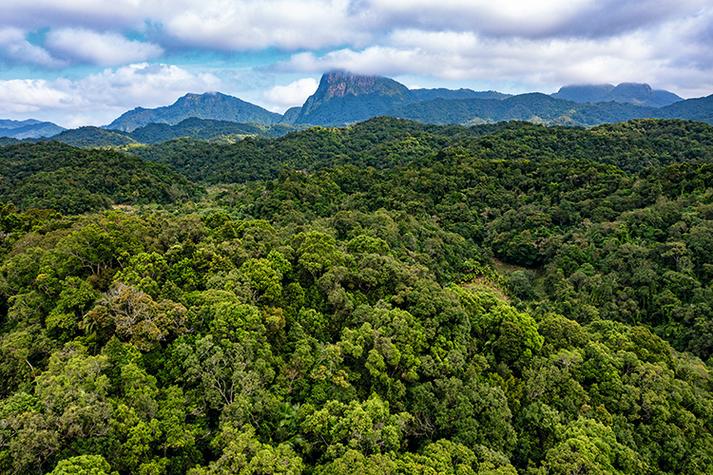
(84, 62)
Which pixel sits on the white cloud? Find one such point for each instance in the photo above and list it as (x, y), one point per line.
(26, 96)
(99, 98)
(315, 24)
(644, 55)
(529, 19)
(102, 49)
(295, 93)
(214, 24)
(96, 14)
(257, 24)
(14, 46)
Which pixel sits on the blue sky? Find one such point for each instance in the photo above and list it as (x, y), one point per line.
(79, 62)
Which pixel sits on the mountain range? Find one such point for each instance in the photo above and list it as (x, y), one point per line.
(200, 129)
(212, 105)
(28, 129)
(630, 93)
(343, 98)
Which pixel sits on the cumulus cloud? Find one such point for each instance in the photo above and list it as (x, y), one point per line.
(669, 56)
(528, 19)
(256, 24)
(295, 93)
(15, 47)
(35, 14)
(295, 24)
(99, 98)
(102, 49)
(25, 95)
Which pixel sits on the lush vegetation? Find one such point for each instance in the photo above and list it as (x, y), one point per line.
(57, 176)
(205, 129)
(91, 137)
(389, 298)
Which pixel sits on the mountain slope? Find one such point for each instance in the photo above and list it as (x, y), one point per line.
(533, 107)
(28, 129)
(631, 93)
(344, 97)
(193, 128)
(214, 105)
(93, 137)
(700, 109)
(442, 93)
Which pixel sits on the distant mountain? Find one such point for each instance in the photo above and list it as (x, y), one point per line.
(28, 129)
(193, 128)
(532, 107)
(700, 109)
(93, 137)
(6, 124)
(344, 98)
(291, 115)
(441, 93)
(213, 105)
(631, 93)
(584, 92)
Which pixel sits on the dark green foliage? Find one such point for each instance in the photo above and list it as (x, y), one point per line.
(71, 180)
(93, 137)
(390, 298)
(204, 129)
(691, 109)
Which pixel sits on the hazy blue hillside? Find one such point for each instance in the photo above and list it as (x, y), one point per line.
(344, 98)
(631, 93)
(692, 109)
(214, 105)
(28, 129)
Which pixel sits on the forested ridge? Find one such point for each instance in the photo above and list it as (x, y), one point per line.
(388, 298)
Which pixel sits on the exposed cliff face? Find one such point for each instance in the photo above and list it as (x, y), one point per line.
(344, 97)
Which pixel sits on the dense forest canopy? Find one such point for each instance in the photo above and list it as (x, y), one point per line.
(388, 298)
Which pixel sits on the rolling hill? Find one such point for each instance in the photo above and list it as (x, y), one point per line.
(73, 180)
(214, 106)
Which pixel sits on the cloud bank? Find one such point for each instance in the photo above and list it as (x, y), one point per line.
(99, 98)
(511, 45)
